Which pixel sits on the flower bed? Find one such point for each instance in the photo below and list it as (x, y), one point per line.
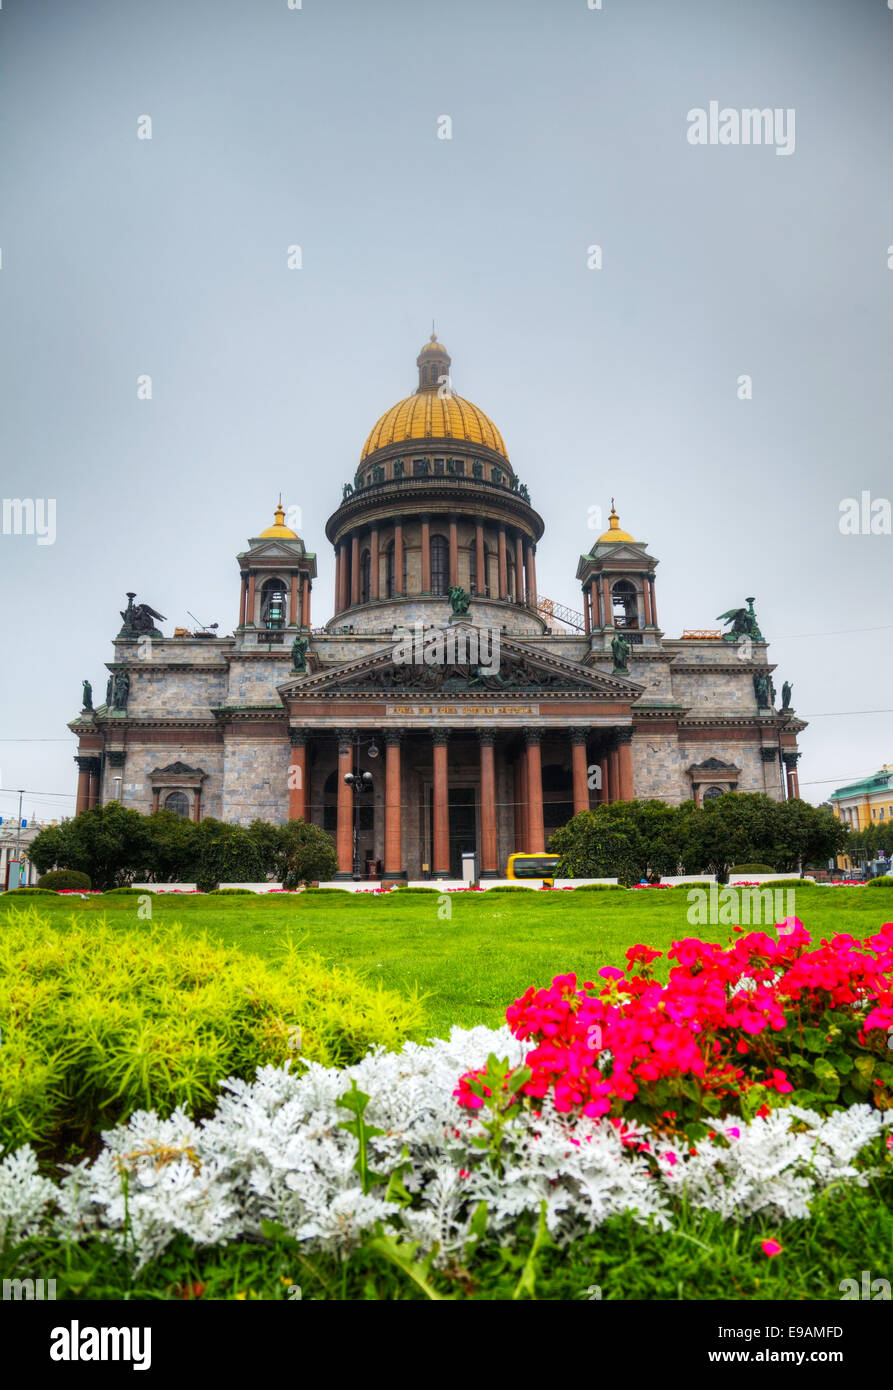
(732, 1030)
(285, 1148)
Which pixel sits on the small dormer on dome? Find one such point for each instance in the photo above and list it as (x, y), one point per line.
(615, 532)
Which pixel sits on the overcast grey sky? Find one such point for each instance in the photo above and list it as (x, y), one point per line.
(318, 126)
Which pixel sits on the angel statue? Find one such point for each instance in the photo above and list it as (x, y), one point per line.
(299, 654)
(743, 623)
(787, 691)
(138, 619)
(88, 696)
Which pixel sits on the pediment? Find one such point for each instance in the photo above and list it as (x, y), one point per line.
(275, 550)
(517, 668)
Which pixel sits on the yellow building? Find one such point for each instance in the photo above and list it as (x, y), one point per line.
(865, 803)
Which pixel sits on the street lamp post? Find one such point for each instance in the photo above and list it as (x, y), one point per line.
(359, 782)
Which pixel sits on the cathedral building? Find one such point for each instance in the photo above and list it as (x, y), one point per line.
(446, 707)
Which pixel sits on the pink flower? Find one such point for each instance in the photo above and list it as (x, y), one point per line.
(770, 1247)
(733, 1132)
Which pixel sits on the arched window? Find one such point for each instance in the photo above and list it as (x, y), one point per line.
(472, 568)
(365, 576)
(624, 604)
(272, 603)
(178, 802)
(440, 565)
(711, 793)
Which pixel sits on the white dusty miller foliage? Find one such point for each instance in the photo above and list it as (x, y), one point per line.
(274, 1149)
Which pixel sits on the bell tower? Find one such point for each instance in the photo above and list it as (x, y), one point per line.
(617, 578)
(276, 575)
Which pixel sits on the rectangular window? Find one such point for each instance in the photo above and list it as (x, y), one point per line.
(459, 466)
(419, 468)
(438, 467)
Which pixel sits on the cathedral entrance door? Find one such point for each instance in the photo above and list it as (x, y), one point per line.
(463, 826)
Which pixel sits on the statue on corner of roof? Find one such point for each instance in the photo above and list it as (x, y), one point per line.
(460, 600)
(88, 696)
(299, 654)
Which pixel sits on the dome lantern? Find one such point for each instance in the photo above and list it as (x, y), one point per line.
(434, 365)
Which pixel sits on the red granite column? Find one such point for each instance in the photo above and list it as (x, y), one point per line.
(156, 797)
(426, 554)
(355, 568)
(197, 805)
(440, 863)
(606, 601)
(398, 557)
(653, 605)
(790, 763)
(587, 622)
(454, 551)
(625, 790)
(480, 561)
(646, 589)
(580, 773)
(249, 610)
(393, 804)
(305, 602)
(93, 787)
(503, 565)
(373, 565)
(489, 842)
(339, 577)
(536, 833)
(531, 576)
(297, 775)
(519, 569)
(243, 596)
(83, 801)
(344, 831)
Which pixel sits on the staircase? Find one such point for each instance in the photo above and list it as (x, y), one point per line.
(559, 612)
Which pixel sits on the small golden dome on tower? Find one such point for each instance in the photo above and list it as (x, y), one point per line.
(614, 534)
(279, 528)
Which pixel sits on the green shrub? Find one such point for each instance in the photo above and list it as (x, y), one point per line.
(511, 888)
(117, 892)
(249, 891)
(599, 888)
(404, 888)
(344, 891)
(64, 878)
(48, 892)
(885, 881)
(751, 869)
(98, 1022)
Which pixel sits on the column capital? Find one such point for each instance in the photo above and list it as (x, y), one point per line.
(533, 735)
(346, 738)
(790, 759)
(623, 734)
(578, 734)
(297, 737)
(769, 755)
(441, 736)
(392, 737)
(86, 762)
(116, 757)
(487, 736)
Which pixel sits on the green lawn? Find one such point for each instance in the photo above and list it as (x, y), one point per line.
(494, 945)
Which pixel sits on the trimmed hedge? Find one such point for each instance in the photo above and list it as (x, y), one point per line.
(243, 891)
(98, 1022)
(885, 881)
(751, 869)
(64, 878)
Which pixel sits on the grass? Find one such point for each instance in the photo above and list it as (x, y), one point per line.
(472, 965)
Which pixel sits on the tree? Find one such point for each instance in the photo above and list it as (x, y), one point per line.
(109, 843)
(174, 848)
(225, 854)
(306, 854)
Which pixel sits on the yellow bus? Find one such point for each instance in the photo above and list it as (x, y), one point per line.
(533, 866)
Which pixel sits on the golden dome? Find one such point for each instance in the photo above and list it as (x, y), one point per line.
(614, 533)
(279, 528)
(428, 415)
